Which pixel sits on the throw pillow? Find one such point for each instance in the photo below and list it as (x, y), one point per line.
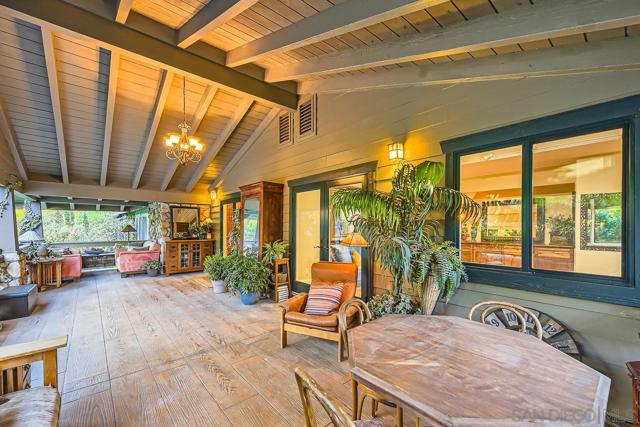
(323, 300)
(339, 253)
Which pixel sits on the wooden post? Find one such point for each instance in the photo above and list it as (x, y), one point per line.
(354, 399)
(50, 364)
(8, 226)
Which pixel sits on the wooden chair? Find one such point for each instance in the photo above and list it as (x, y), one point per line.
(293, 318)
(31, 407)
(516, 318)
(355, 312)
(339, 417)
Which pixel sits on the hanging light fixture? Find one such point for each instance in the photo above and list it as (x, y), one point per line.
(182, 147)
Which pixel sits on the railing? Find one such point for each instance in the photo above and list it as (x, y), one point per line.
(101, 244)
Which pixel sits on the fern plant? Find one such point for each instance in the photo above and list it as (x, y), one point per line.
(402, 228)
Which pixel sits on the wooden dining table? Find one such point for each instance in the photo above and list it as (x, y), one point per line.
(455, 372)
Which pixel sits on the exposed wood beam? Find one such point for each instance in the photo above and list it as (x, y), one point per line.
(198, 116)
(210, 17)
(114, 67)
(54, 89)
(161, 100)
(271, 115)
(334, 21)
(217, 145)
(610, 55)
(123, 7)
(69, 18)
(111, 192)
(545, 19)
(11, 138)
(92, 201)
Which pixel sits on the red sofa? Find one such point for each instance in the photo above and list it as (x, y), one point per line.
(71, 267)
(130, 262)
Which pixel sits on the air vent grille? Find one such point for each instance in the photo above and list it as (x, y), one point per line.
(307, 112)
(285, 128)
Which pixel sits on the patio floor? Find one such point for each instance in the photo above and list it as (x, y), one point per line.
(167, 351)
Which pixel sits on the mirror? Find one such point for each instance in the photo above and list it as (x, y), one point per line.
(182, 219)
(251, 225)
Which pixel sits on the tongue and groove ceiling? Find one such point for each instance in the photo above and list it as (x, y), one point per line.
(84, 107)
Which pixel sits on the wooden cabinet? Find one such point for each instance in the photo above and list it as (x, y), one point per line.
(261, 221)
(545, 257)
(182, 256)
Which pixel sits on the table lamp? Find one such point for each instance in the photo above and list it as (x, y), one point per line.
(129, 229)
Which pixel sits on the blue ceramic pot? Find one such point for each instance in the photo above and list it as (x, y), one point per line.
(250, 298)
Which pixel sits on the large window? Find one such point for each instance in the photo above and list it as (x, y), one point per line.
(576, 211)
(559, 197)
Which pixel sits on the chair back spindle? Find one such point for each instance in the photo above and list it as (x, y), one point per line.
(490, 307)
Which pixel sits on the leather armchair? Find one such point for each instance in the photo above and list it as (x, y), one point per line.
(293, 318)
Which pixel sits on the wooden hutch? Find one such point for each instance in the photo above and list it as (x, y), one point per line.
(261, 222)
(183, 256)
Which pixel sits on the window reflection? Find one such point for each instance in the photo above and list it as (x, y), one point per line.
(493, 179)
(578, 181)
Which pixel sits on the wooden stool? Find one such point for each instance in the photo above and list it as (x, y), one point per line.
(49, 273)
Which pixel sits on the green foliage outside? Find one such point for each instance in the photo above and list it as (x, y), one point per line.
(81, 226)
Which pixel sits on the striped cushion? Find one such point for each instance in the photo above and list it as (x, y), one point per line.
(323, 300)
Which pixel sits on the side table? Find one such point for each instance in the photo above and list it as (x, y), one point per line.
(48, 272)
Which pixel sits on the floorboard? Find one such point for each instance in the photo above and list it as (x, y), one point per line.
(166, 351)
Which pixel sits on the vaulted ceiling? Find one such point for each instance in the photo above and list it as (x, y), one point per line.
(89, 88)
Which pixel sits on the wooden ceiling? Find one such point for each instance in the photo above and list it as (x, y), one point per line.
(90, 88)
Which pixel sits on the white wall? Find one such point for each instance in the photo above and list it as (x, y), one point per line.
(355, 128)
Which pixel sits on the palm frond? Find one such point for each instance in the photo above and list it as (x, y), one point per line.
(430, 171)
(449, 200)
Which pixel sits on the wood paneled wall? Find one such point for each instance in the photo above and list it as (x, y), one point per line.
(355, 128)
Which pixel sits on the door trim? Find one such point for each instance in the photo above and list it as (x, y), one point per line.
(322, 182)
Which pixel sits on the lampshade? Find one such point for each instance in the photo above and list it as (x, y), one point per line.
(29, 236)
(355, 239)
(129, 229)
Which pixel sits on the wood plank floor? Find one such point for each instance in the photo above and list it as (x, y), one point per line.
(166, 351)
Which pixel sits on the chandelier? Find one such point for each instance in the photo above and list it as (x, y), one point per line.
(182, 147)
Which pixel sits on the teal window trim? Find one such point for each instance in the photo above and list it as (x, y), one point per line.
(623, 113)
(323, 182)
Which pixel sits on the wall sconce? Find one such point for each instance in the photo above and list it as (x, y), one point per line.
(213, 195)
(396, 151)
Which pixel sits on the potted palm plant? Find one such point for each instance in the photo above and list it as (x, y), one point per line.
(247, 276)
(402, 229)
(215, 267)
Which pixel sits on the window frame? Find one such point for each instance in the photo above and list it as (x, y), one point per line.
(623, 113)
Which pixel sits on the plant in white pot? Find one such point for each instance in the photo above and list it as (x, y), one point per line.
(215, 267)
(401, 228)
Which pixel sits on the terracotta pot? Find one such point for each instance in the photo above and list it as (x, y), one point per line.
(430, 296)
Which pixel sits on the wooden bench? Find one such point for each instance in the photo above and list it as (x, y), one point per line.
(17, 301)
(32, 407)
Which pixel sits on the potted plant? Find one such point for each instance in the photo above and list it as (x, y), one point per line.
(247, 276)
(273, 251)
(387, 303)
(215, 266)
(153, 268)
(400, 228)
